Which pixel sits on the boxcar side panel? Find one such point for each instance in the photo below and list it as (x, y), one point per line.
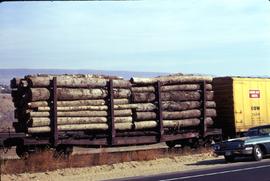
(251, 102)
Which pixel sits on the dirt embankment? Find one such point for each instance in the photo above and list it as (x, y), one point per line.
(126, 169)
(48, 161)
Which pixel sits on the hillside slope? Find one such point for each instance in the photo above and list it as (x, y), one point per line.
(6, 112)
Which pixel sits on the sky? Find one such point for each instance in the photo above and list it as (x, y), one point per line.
(216, 37)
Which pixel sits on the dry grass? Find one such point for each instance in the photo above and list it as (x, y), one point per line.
(125, 169)
(46, 161)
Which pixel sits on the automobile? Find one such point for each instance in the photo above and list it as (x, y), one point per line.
(255, 143)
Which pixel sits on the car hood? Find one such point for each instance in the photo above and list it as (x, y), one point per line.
(249, 140)
(238, 139)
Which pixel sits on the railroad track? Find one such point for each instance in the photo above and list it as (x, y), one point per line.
(47, 161)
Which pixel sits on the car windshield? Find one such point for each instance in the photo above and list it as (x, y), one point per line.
(264, 131)
(258, 131)
(252, 132)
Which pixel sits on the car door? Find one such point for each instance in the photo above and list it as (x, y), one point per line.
(265, 139)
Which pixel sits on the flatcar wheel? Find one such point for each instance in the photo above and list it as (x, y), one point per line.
(170, 144)
(22, 152)
(63, 151)
(69, 150)
(195, 143)
(43, 148)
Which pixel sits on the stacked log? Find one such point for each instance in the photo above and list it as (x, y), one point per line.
(83, 102)
(181, 101)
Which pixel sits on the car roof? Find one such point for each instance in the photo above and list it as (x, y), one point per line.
(263, 126)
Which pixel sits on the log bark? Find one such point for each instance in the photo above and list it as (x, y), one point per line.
(64, 94)
(77, 108)
(143, 89)
(185, 123)
(143, 107)
(171, 123)
(186, 105)
(43, 121)
(167, 124)
(98, 102)
(182, 114)
(195, 113)
(141, 116)
(211, 112)
(76, 76)
(183, 87)
(173, 106)
(210, 104)
(123, 126)
(138, 107)
(44, 129)
(179, 106)
(75, 82)
(171, 96)
(126, 112)
(171, 80)
(121, 101)
(145, 125)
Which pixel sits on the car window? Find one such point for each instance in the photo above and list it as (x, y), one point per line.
(252, 132)
(264, 131)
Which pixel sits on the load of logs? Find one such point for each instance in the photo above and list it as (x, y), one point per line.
(181, 100)
(83, 102)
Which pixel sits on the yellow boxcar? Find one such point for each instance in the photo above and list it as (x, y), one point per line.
(241, 103)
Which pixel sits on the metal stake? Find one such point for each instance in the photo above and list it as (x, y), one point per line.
(54, 128)
(111, 124)
(159, 112)
(203, 118)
